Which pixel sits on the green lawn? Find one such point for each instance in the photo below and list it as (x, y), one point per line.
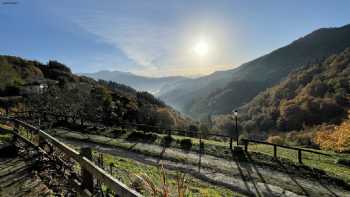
(325, 163)
(5, 135)
(126, 171)
(221, 149)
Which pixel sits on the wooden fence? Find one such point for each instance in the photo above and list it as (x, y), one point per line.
(246, 143)
(88, 167)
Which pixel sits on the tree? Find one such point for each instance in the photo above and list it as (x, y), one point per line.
(227, 128)
(165, 118)
(193, 130)
(292, 115)
(10, 80)
(204, 129)
(336, 138)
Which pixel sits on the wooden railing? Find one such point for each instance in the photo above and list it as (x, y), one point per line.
(246, 143)
(86, 164)
(170, 131)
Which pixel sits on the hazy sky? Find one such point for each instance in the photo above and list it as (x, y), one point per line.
(157, 38)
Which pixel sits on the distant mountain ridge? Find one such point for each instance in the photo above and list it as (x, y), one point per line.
(221, 92)
(153, 85)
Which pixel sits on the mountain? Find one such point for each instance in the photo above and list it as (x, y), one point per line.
(185, 93)
(219, 93)
(141, 83)
(53, 87)
(313, 94)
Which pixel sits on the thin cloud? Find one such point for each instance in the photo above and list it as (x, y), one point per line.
(142, 42)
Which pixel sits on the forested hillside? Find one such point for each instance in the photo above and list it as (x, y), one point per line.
(314, 94)
(52, 87)
(141, 83)
(226, 93)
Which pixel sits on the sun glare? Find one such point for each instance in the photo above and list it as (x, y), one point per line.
(201, 48)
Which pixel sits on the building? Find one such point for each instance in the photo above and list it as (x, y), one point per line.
(36, 86)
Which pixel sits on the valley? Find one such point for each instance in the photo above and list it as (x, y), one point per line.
(175, 99)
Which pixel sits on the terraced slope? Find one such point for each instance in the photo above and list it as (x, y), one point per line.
(250, 178)
(17, 177)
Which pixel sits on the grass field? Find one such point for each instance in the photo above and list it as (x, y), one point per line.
(221, 149)
(325, 163)
(5, 135)
(126, 170)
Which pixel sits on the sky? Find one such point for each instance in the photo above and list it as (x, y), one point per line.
(157, 37)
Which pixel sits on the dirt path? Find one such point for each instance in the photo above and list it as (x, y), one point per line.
(243, 177)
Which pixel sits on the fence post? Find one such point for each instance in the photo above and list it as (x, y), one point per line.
(274, 151)
(15, 129)
(299, 156)
(88, 179)
(246, 145)
(41, 141)
(111, 168)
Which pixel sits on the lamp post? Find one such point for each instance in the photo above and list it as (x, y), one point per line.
(236, 126)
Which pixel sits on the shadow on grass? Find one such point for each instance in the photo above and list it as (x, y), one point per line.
(132, 146)
(107, 141)
(331, 193)
(200, 161)
(252, 166)
(161, 154)
(289, 174)
(242, 176)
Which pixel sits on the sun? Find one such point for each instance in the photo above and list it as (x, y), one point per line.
(201, 48)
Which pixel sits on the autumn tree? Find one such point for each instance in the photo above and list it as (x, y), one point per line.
(336, 138)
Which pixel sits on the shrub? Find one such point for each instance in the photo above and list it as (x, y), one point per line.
(275, 140)
(303, 138)
(244, 135)
(142, 137)
(186, 144)
(344, 162)
(166, 140)
(117, 133)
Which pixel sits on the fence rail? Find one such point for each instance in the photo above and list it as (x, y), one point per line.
(115, 185)
(170, 131)
(246, 143)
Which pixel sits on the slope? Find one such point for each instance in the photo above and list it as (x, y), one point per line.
(314, 94)
(219, 95)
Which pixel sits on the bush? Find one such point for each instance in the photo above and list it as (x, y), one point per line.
(244, 135)
(117, 133)
(142, 137)
(344, 162)
(303, 138)
(275, 140)
(186, 144)
(166, 140)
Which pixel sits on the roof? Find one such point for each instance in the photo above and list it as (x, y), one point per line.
(39, 81)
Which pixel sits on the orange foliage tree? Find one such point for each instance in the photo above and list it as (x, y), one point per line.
(336, 138)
